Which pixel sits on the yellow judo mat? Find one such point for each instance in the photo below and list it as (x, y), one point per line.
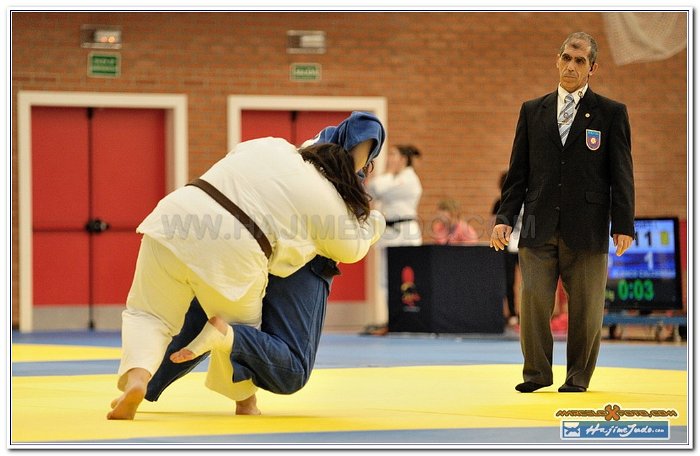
(51, 409)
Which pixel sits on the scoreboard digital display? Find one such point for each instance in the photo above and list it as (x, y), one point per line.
(648, 275)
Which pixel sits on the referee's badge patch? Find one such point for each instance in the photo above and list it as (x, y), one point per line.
(593, 139)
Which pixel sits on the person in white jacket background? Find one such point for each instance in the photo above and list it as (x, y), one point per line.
(397, 192)
(307, 202)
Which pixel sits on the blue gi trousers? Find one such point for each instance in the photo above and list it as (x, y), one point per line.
(279, 357)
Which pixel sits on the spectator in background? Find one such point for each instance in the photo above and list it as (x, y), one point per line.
(449, 227)
(397, 193)
(510, 258)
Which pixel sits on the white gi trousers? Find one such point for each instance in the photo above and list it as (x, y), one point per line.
(160, 295)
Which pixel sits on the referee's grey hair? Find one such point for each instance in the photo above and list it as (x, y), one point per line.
(581, 36)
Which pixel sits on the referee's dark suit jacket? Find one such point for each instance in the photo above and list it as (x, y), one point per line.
(578, 188)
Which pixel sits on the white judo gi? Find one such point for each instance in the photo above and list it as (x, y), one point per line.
(399, 196)
(193, 246)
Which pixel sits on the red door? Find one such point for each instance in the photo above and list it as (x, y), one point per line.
(89, 166)
(296, 127)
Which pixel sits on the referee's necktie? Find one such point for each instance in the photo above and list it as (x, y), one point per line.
(566, 117)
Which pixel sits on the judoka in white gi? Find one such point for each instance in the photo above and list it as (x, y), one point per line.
(192, 246)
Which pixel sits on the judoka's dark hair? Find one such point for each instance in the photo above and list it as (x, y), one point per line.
(337, 165)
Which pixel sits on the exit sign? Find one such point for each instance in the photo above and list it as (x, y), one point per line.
(104, 65)
(305, 72)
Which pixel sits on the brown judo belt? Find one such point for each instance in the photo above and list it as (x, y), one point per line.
(237, 212)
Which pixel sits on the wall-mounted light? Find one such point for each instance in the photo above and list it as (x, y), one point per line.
(306, 42)
(101, 36)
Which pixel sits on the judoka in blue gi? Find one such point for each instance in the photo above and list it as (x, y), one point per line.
(280, 356)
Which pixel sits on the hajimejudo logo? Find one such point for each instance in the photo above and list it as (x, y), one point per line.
(630, 430)
(612, 422)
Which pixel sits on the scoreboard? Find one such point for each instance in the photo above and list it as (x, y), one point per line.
(648, 275)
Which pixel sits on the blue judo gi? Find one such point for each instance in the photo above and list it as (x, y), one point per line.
(279, 357)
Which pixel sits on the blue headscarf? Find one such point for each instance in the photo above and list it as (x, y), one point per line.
(359, 127)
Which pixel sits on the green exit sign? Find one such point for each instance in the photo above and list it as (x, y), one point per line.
(104, 65)
(305, 72)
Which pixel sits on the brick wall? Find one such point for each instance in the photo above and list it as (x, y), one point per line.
(454, 82)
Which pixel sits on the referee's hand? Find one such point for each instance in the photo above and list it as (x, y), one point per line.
(622, 243)
(500, 236)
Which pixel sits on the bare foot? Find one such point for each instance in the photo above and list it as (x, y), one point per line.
(182, 356)
(219, 323)
(211, 335)
(124, 407)
(248, 406)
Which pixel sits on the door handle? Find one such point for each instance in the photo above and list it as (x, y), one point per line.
(96, 226)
